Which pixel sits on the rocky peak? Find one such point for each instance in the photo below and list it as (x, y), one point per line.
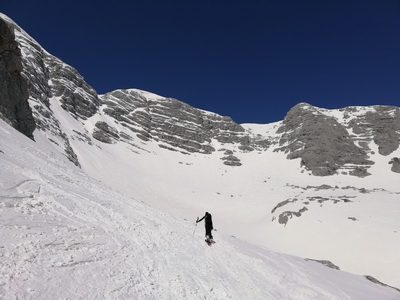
(323, 144)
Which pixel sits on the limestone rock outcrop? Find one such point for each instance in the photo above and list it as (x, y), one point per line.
(14, 106)
(322, 143)
(171, 122)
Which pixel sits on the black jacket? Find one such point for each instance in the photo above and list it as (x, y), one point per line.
(207, 220)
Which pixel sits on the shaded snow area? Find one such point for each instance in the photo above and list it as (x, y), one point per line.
(64, 235)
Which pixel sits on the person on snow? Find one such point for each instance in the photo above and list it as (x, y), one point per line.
(209, 226)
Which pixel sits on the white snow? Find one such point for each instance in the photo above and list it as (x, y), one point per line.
(65, 235)
(242, 198)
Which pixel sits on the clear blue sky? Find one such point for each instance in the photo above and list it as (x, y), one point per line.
(251, 60)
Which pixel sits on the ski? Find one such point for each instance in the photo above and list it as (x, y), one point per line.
(209, 242)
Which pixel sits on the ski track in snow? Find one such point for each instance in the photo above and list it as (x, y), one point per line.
(66, 235)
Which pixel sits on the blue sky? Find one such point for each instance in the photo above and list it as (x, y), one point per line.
(250, 60)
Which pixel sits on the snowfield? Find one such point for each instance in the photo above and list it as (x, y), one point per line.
(65, 235)
(353, 222)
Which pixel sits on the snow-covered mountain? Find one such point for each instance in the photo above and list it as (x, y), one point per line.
(67, 235)
(117, 216)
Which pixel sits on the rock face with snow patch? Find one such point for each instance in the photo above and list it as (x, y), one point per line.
(173, 124)
(49, 80)
(14, 107)
(76, 96)
(380, 124)
(329, 142)
(323, 144)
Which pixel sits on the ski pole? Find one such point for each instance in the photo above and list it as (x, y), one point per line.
(195, 226)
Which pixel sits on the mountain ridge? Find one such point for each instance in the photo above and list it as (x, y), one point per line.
(324, 145)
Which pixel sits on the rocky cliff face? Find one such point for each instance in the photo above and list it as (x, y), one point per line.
(171, 122)
(321, 142)
(380, 124)
(14, 107)
(174, 125)
(332, 141)
(49, 83)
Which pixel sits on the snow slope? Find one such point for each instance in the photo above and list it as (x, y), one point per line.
(66, 235)
(352, 221)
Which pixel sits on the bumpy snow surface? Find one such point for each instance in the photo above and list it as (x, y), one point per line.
(65, 235)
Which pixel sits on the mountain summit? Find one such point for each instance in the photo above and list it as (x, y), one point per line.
(122, 176)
